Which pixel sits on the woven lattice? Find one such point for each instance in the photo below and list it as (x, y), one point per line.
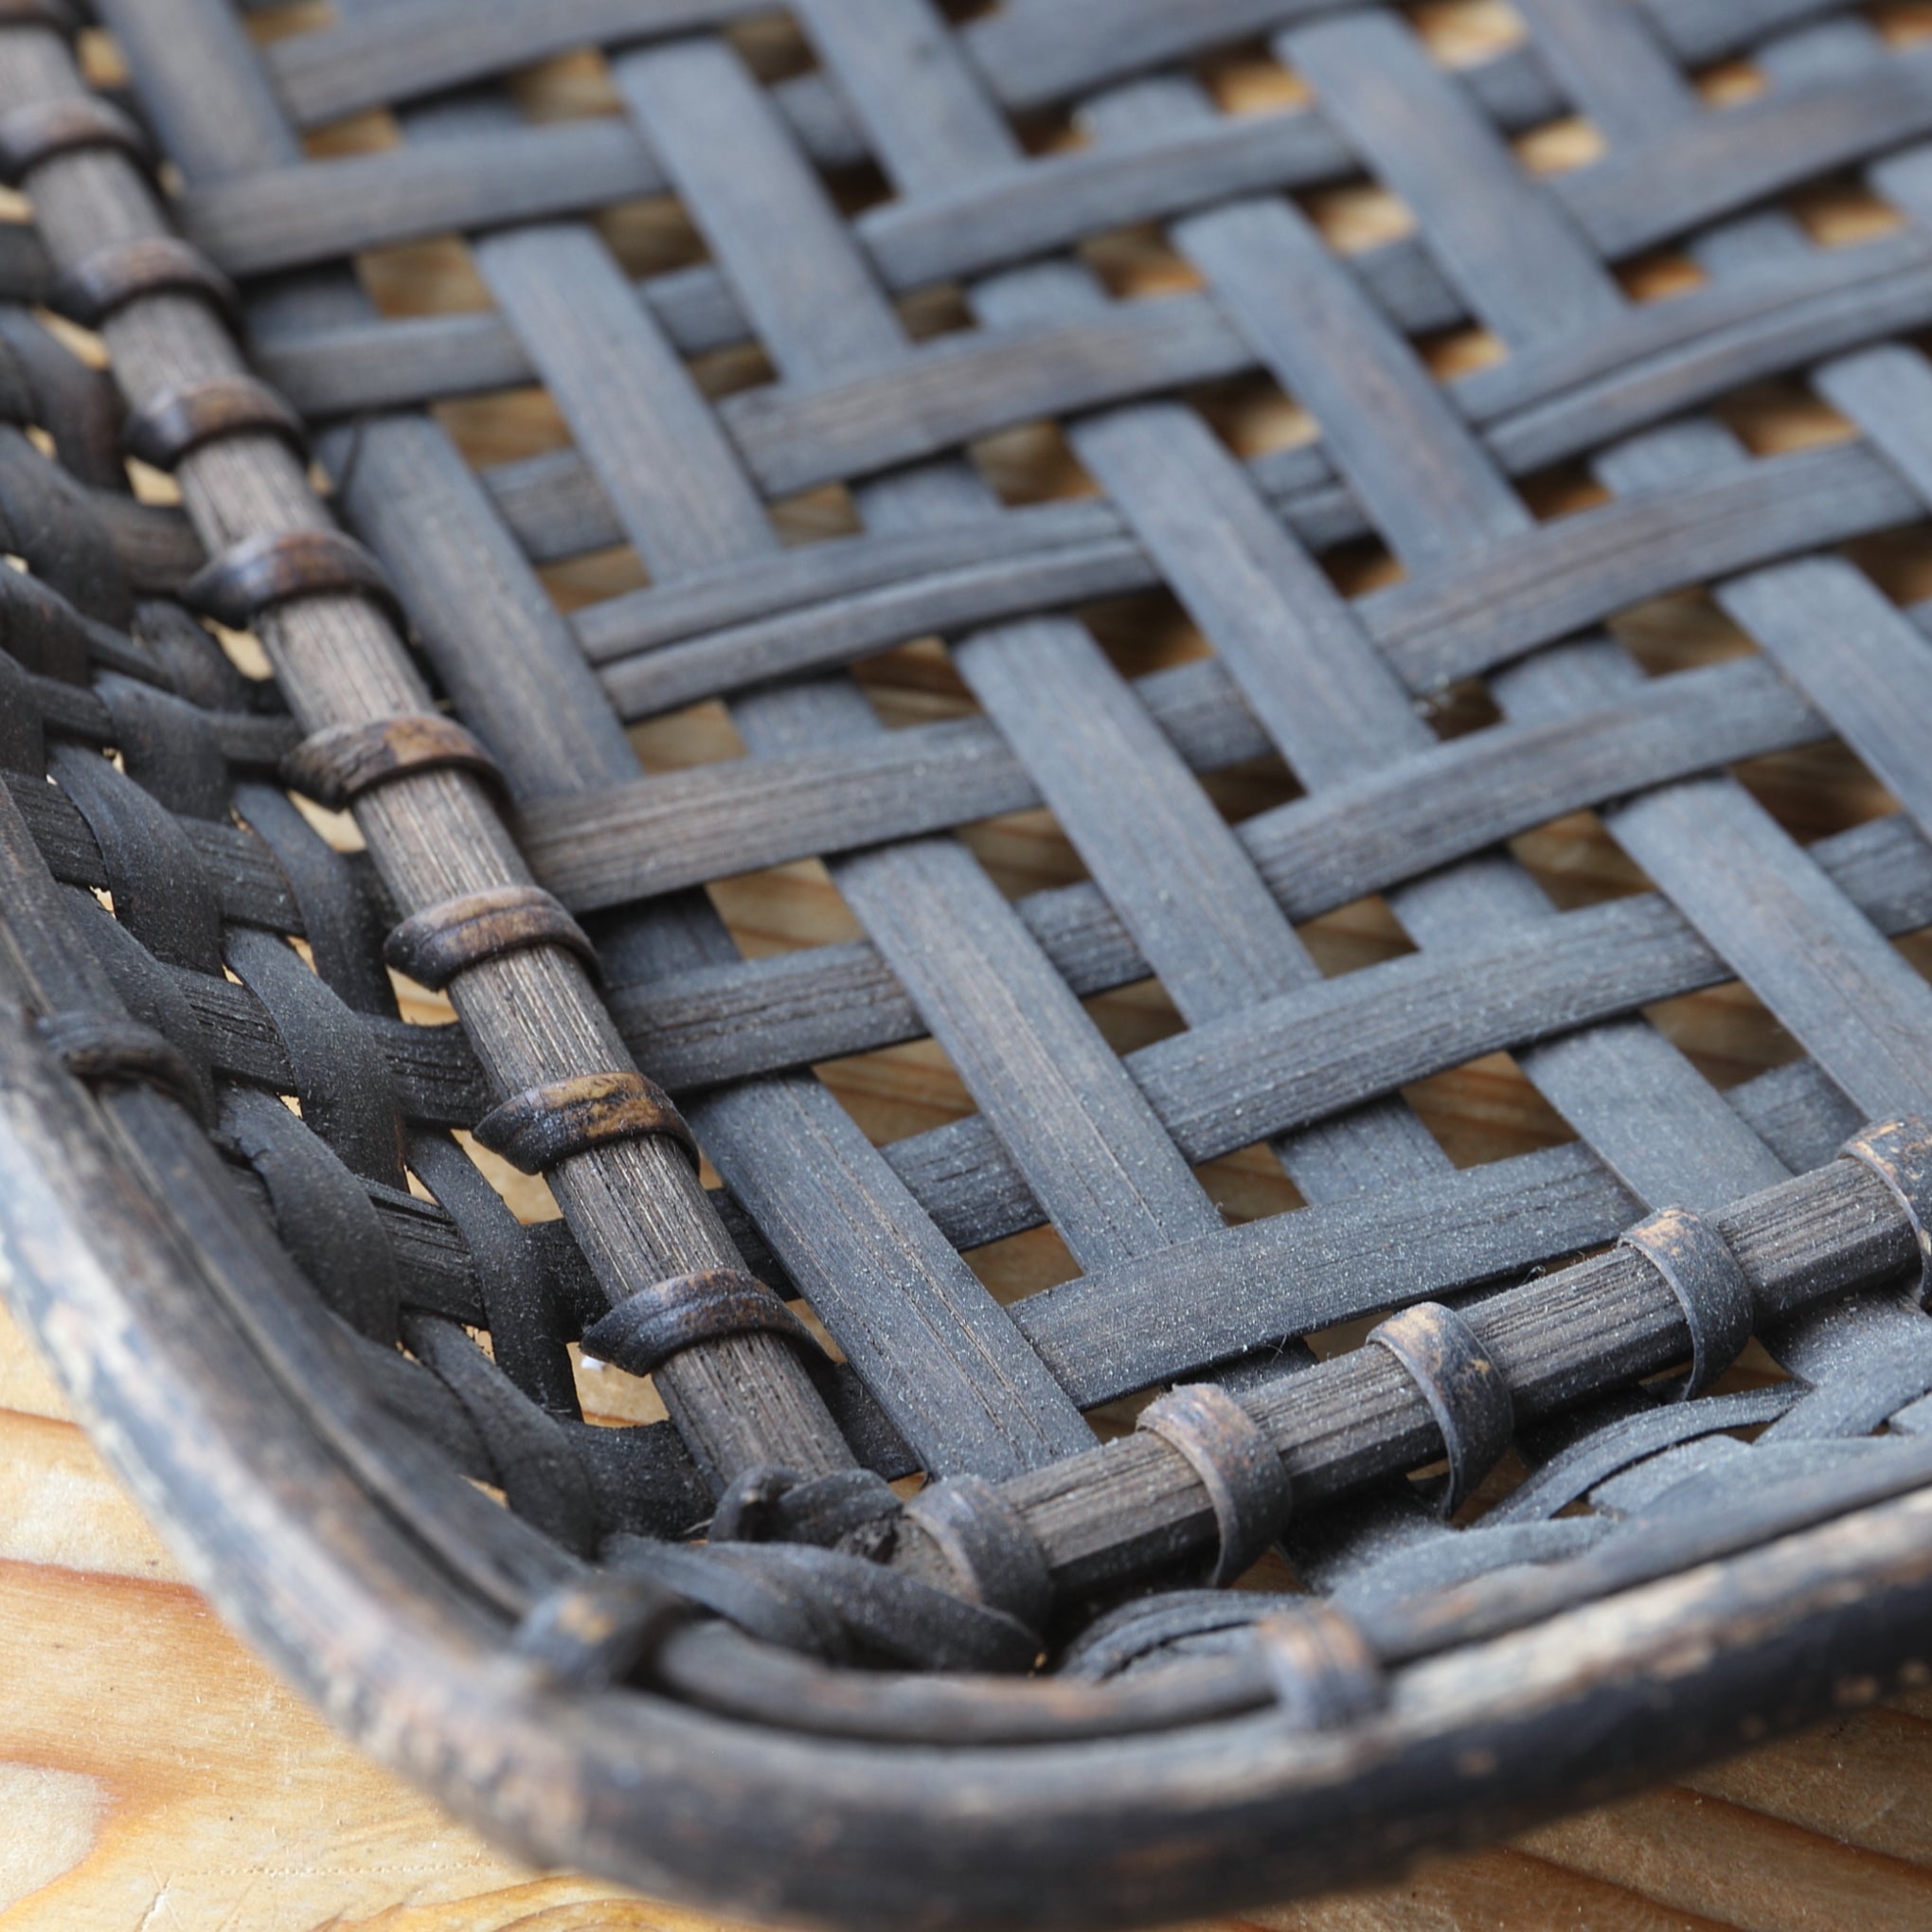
(879, 247)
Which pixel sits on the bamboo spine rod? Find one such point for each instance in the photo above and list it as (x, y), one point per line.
(1137, 1506)
(534, 1016)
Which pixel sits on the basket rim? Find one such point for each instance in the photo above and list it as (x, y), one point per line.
(343, 1597)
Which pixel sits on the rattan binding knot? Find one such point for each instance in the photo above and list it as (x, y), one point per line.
(544, 1125)
(95, 1049)
(39, 129)
(853, 1509)
(1464, 1389)
(997, 1560)
(337, 765)
(277, 566)
(1239, 1467)
(94, 289)
(1700, 1270)
(1322, 1669)
(643, 1332)
(597, 1631)
(171, 426)
(434, 945)
(1899, 1154)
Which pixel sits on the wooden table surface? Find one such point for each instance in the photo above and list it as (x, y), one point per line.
(155, 1778)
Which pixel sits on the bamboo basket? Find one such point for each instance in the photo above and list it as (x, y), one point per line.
(606, 587)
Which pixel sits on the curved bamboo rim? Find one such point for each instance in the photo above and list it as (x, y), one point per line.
(412, 1659)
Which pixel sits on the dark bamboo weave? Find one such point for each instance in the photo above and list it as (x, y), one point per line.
(1543, 1537)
